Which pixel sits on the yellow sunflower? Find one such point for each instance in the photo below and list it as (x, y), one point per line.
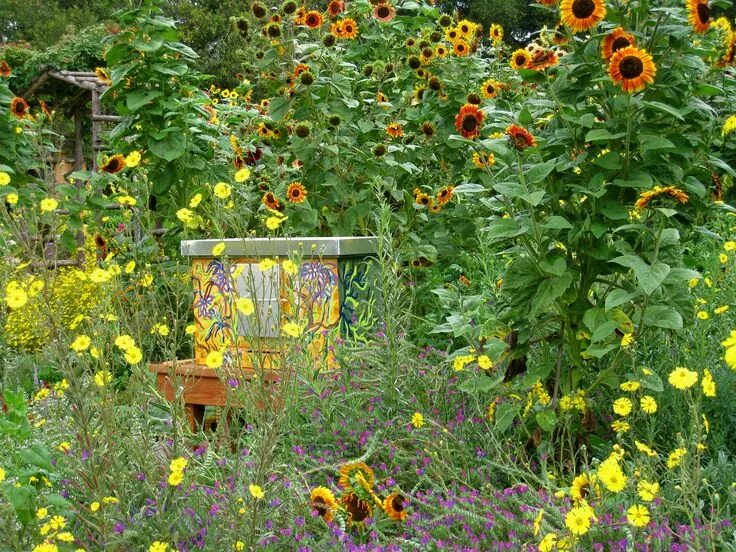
(358, 471)
(296, 193)
(323, 502)
(520, 59)
(395, 506)
(490, 88)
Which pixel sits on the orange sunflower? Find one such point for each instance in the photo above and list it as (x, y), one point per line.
(5, 70)
(490, 88)
(323, 502)
(520, 137)
(520, 59)
(444, 196)
(296, 193)
(582, 15)
(270, 201)
(699, 15)
(632, 68)
(646, 197)
(469, 120)
(313, 19)
(335, 7)
(461, 48)
(384, 12)
(423, 199)
(542, 58)
(615, 41)
(113, 164)
(349, 29)
(395, 506)
(395, 130)
(19, 107)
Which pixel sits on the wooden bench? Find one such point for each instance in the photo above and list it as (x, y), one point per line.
(203, 387)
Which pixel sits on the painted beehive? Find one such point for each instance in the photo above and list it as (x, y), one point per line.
(330, 293)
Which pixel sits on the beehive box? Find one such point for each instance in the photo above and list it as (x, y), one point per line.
(331, 294)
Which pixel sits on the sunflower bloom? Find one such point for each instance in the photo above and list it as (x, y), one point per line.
(469, 121)
(698, 14)
(616, 40)
(632, 68)
(582, 15)
(395, 506)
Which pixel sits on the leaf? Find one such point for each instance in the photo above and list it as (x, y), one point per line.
(171, 147)
(619, 297)
(556, 223)
(138, 98)
(539, 172)
(663, 316)
(550, 290)
(481, 383)
(650, 380)
(651, 142)
(504, 228)
(664, 108)
(505, 414)
(602, 135)
(37, 455)
(555, 265)
(534, 198)
(649, 277)
(21, 498)
(469, 188)
(546, 419)
(278, 107)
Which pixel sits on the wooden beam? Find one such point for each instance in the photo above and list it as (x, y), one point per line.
(78, 142)
(36, 85)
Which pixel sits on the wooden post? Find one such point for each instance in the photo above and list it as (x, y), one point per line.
(96, 127)
(78, 142)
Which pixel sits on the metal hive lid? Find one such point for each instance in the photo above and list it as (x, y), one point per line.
(283, 247)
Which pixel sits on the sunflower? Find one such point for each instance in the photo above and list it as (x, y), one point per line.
(441, 51)
(469, 120)
(358, 471)
(496, 33)
(699, 15)
(632, 68)
(490, 88)
(428, 129)
(615, 41)
(395, 506)
(381, 98)
(301, 68)
(102, 76)
(461, 48)
(452, 34)
(335, 8)
(358, 510)
(296, 193)
(542, 58)
(423, 199)
(270, 201)
(336, 29)
(313, 19)
(5, 70)
(444, 196)
(646, 197)
(349, 29)
(520, 59)
(113, 164)
(520, 137)
(484, 160)
(582, 15)
(384, 12)
(299, 14)
(323, 502)
(466, 28)
(19, 107)
(395, 130)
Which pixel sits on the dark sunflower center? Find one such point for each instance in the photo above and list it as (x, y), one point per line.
(296, 192)
(619, 43)
(398, 503)
(470, 123)
(460, 47)
(631, 67)
(113, 165)
(311, 20)
(464, 29)
(520, 60)
(703, 11)
(582, 9)
(490, 89)
(348, 28)
(383, 11)
(20, 108)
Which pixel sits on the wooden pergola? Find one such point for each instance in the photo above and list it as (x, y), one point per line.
(86, 80)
